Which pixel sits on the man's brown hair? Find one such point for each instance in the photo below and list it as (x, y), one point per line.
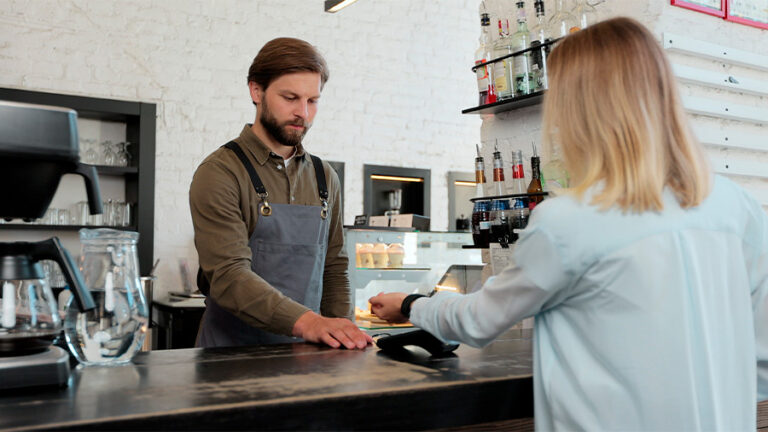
(283, 56)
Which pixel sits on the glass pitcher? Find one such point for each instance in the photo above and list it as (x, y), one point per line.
(113, 332)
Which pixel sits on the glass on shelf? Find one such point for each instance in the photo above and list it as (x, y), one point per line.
(88, 151)
(123, 156)
(585, 13)
(562, 23)
(108, 155)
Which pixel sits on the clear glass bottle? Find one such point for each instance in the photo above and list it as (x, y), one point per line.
(562, 23)
(498, 173)
(539, 36)
(523, 82)
(479, 174)
(585, 14)
(482, 55)
(113, 332)
(502, 70)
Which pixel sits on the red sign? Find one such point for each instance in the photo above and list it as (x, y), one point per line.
(711, 7)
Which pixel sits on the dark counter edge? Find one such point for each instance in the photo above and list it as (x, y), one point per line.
(417, 408)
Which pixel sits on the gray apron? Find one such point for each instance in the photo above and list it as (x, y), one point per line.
(288, 248)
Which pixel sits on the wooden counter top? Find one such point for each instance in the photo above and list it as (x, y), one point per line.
(299, 386)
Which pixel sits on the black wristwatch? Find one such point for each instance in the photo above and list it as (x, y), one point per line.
(405, 307)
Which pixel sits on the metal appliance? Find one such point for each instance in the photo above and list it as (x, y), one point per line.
(395, 197)
(38, 144)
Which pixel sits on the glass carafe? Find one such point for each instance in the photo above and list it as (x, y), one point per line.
(29, 319)
(114, 332)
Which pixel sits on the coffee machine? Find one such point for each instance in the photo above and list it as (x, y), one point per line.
(38, 144)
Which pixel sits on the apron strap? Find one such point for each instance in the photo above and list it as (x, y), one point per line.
(322, 189)
(255, 179)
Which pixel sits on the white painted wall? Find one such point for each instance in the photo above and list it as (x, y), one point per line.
(747, 166)
(400, 75)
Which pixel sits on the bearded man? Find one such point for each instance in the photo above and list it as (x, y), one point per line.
(266, 214)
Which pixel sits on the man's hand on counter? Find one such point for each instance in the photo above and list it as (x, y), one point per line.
(333, 332)
(387, 307)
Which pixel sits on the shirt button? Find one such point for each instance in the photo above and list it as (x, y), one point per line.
(279, 167)
(293, 198)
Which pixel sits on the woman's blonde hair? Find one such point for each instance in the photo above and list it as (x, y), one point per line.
(614, 110)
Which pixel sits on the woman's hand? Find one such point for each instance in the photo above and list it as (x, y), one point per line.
(387, 307)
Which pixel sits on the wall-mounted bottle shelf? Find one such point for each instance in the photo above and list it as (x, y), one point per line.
(495, 197)
(507, 104)
(514, 103)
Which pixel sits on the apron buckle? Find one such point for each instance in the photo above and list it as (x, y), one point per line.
(266, 209)
(324, 211)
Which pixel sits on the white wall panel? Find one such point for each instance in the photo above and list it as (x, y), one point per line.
(691, 46)
(720, 80)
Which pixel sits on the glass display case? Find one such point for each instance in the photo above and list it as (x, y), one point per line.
(396, 261)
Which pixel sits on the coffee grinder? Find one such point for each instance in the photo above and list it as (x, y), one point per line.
(38, 144)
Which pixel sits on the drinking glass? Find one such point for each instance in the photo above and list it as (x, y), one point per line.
(91, 154)
(63, 217)
(108, 153)
(123, 157)
(81, 213)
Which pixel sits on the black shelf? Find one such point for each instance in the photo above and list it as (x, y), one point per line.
(140, 121)
(116, 170)
(507, 104)
(524, 195)
(41, 227)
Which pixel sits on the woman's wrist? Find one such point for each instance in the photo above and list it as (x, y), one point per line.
(405, 307)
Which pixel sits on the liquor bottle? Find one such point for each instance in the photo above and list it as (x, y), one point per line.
(554, 174)
(521, 63)
(498, 172)
(481, 56)
(535, 185)
(539, 36)
(518, 176)
(502, 69)
(585, 14)
(479, 173)
(481, 223)
(562, 23)
(500, 224)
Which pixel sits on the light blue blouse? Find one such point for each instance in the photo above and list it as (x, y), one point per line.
(653, 321)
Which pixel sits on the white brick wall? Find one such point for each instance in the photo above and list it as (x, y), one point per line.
(400, 75)
(399, 79)
(517, 129)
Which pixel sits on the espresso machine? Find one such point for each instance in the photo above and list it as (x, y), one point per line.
(38, 144)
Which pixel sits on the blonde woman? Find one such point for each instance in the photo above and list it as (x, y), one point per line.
(648, 279)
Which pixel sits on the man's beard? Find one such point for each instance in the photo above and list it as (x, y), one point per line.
(278, 131)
